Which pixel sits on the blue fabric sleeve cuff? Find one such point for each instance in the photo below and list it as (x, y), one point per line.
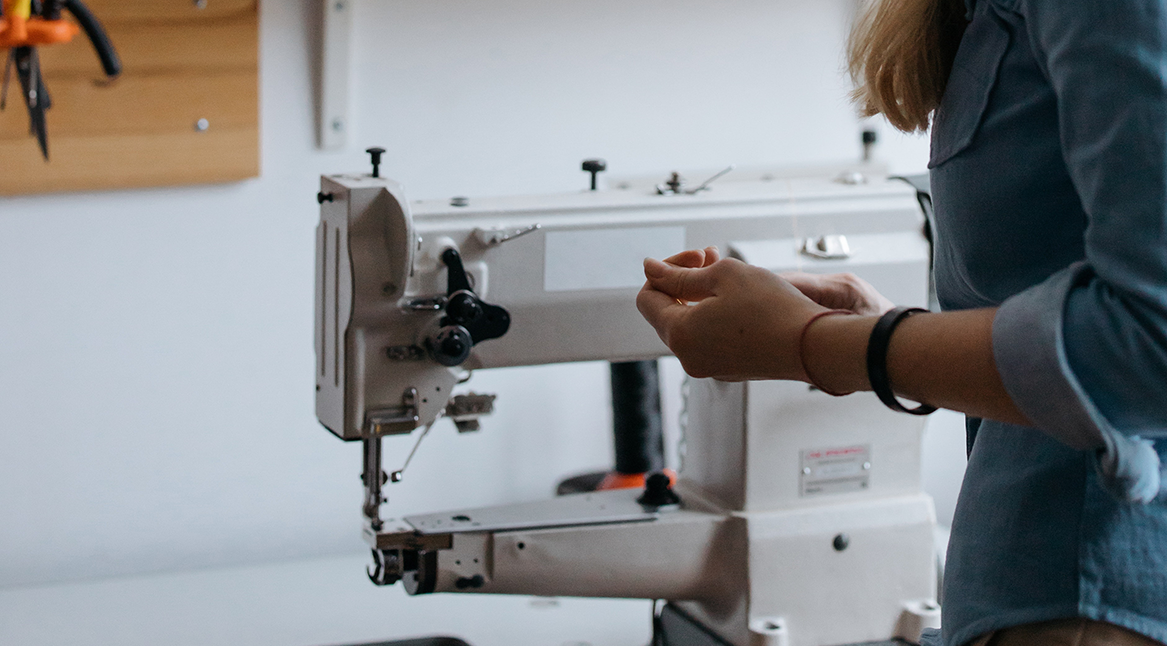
(1029, 349)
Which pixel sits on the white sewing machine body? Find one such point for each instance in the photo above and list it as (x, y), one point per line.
(801, 519)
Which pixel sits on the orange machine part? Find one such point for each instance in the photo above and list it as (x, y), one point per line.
(617, 480)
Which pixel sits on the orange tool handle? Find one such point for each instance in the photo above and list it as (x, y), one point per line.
(20, 29)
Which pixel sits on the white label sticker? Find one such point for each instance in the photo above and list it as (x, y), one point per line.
(605, 258)
(836, 470)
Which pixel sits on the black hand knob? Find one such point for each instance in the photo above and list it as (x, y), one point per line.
(464, 309)
(658, 491)
(594, 166)
(375, 157)
(869, 139)
(323, 197)
(451, 346)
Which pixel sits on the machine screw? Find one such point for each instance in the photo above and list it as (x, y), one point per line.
(594, 166)
(841, 542)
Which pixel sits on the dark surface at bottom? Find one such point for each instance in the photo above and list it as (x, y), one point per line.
(421, 641)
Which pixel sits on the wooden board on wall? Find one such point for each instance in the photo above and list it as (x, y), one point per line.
(182, 61)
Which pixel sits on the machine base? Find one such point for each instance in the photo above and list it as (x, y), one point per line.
(675, 628)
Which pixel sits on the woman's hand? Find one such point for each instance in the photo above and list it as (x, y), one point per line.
(744, 322)
(840, 292)
(732, 321)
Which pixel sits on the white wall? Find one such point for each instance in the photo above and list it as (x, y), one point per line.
(155, 346)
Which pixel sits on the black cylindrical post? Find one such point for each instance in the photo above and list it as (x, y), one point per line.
(636, 417)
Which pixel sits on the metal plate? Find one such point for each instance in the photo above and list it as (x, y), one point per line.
(835, 470)
(596, 508)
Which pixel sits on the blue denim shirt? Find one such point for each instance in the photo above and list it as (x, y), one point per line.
(1049, 180)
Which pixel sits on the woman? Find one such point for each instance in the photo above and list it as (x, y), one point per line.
(1049, 181)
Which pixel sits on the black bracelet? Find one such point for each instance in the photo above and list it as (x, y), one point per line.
(877, 346)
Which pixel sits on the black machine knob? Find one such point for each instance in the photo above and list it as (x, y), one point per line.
(451, 346)
(594, 166)
(482, 320)
(467, 319)
(375, 157)
(323, 197)
(658, 491)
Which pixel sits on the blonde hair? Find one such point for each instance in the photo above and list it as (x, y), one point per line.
(900, 56)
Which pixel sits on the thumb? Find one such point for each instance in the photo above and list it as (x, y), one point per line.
(684, 283)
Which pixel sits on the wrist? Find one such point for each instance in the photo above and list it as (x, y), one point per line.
(834, 350)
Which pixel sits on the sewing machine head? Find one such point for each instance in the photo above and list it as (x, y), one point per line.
(412, 296)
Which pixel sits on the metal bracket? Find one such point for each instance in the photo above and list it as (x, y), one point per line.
(465, 410)
(432, 304)
(396, 535)
(828, 247)
(397, 420)
(496, 236)
(335, 61)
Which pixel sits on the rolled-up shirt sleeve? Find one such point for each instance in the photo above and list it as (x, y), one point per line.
(1084, 353)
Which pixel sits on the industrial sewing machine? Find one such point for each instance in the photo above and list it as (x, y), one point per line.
(796, 518)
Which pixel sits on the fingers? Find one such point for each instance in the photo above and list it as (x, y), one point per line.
(840, 291)
(809, 284)
(695, 258)
(692, 258)
(662, 311)
(712, 255)
(683, 283)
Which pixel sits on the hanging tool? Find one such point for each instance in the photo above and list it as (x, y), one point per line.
(28, 24)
